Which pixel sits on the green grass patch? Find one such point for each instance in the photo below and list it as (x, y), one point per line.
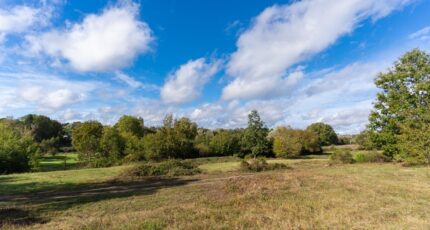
(61, 161)
(56, 180)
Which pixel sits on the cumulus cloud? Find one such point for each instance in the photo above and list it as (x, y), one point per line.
(19, 19)
(43, 92)
(186, 83)
(284, 35)
(101, 42)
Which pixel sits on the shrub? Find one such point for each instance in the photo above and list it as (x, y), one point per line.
(17, 153)
(342, 156)
(166, 168)
(260, 164)
(371, 157)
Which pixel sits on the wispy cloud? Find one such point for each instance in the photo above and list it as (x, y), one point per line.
(284, 35)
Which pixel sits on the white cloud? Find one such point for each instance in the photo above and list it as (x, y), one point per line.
(422, 34)
(284, 35)
(108, 41)
(186, 83)
(128, 80)
(19, 19)
(43, 93)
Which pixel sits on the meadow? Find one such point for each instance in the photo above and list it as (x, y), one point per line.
(309, 194)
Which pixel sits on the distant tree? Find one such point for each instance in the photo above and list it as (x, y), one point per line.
(45, 131)
(18, 153)
(112, 145)
(42, 127)
(174, 140)
(132, 130)
(154, 147)
(364, 141)
(86, 139)
(326, 133)
(288, 142)
(131, 125)
(398, 122)
(254, 141)
(225, 142)
(202, 142)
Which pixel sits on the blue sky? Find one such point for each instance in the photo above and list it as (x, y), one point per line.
(297, 62)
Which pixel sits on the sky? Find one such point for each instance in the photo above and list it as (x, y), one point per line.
(296, 62)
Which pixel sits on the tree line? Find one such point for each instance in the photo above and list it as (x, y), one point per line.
(130, 140)
(399, 126)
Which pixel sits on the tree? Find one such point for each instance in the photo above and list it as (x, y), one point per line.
(18, 153)
(225, 142)
(401, 109)
(174, 140)
(363, 140)
(112, 145)
(288, 142)
(86, 139)
(254, 141)
(131, 125)
(132, 130)
(326, 133)
(48, 133)
(42, 127)
(202, 142)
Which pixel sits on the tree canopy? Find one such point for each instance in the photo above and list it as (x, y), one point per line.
(400, 118)
(326, 133)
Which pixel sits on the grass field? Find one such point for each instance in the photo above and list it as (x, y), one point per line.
(61, 161)
(310, 194)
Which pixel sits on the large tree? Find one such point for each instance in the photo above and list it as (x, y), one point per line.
(326, 133)
(254, 140)
(86, 139)
(399, 121)
(130, 125)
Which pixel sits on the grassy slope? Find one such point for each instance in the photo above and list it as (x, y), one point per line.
(309, 195)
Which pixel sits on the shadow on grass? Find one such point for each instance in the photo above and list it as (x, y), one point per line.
(58, 162)
(18, 217)
(48, 201)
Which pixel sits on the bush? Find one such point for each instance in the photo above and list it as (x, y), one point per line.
(371, 157)
(17, 153)
(260, 164)
(166, 168)
(342, 156)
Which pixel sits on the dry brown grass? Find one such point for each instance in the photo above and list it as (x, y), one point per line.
(307, 196)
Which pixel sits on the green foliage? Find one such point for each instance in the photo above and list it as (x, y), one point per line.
(341, 156)
(260, 164)
(174, 140)
(165, 168)
(364, 140)
(112, 145)
(225, 143)
(400, 114)
(202, 141)
(373, 156)
(326, 134)
(414, 141)
(254, 140)
(130, 125)
(288, 142)
(17, 153)
(86, 140)
(42, 127)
